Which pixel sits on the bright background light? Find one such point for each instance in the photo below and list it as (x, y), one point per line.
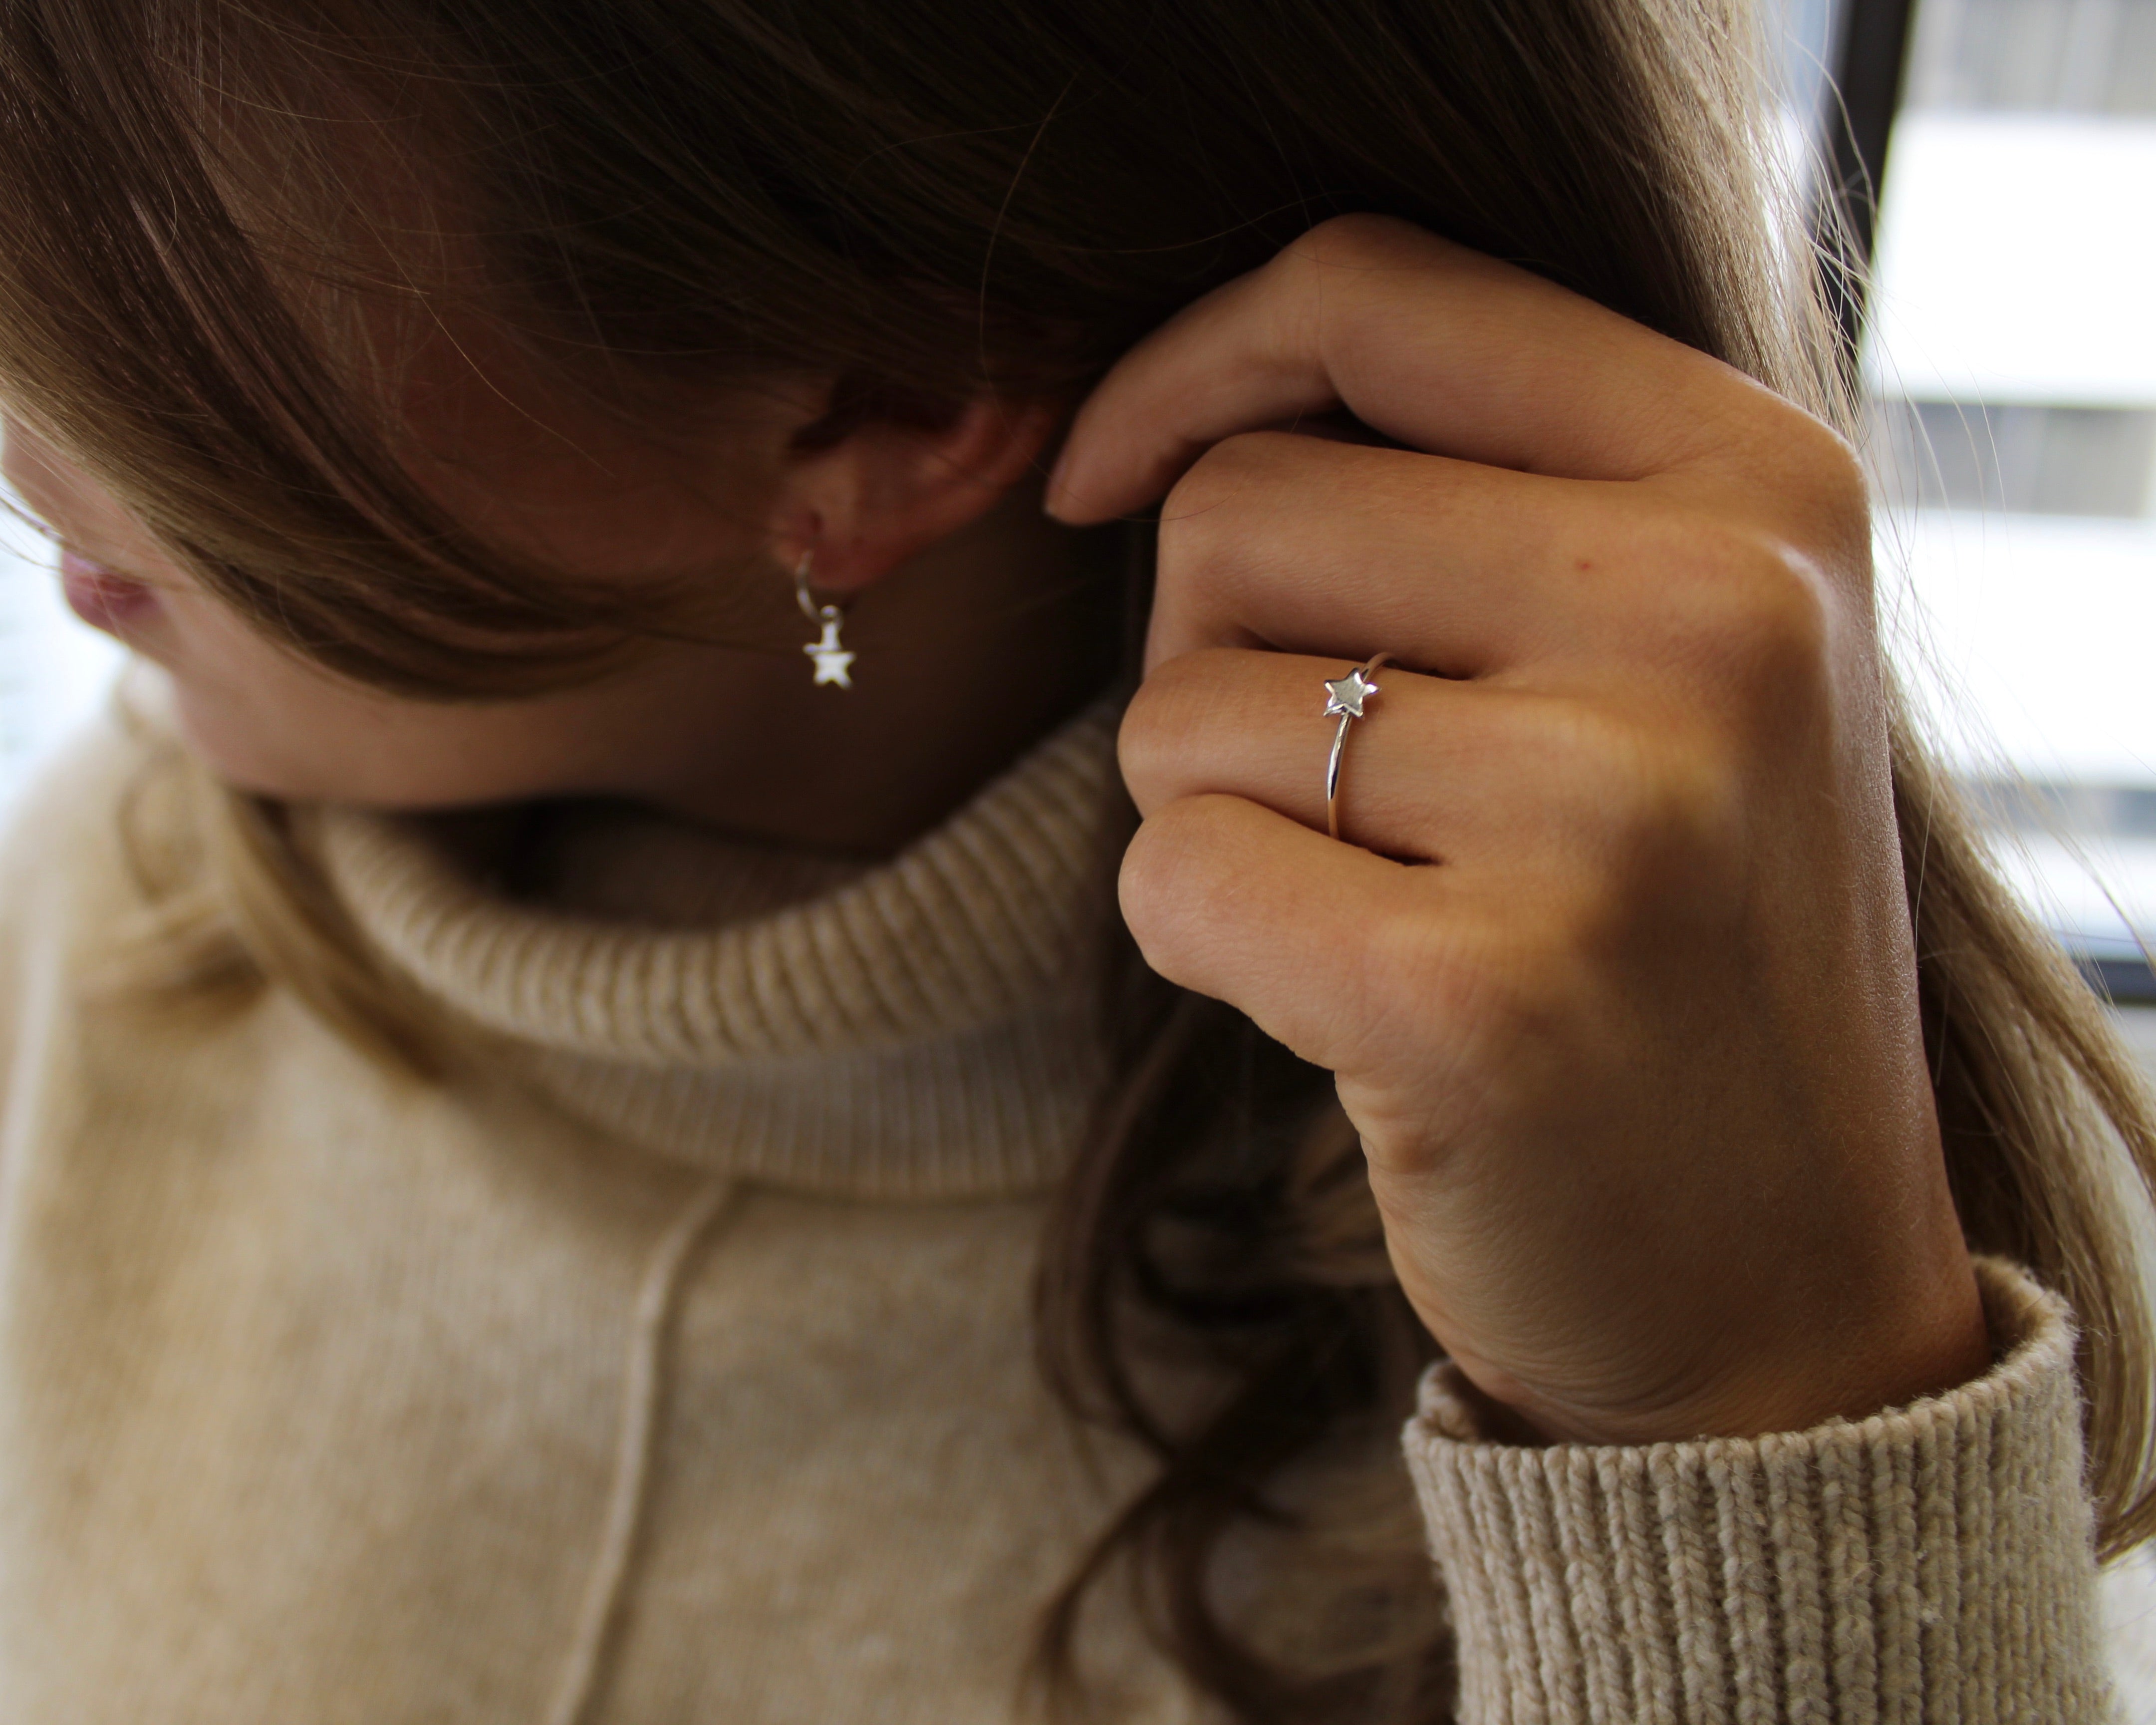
(54, 670)
(2016, 260)
(2016, 271)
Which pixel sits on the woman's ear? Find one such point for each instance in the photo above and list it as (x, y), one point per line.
(884, 492)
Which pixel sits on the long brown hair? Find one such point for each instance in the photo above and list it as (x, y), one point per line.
(927, 201)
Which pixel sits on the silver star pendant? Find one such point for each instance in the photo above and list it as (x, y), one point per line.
(1346, 695)
(831, 659)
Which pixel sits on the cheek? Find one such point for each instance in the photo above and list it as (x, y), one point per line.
(269, 722)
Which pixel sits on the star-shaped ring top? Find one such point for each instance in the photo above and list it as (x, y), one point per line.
(1346, 695)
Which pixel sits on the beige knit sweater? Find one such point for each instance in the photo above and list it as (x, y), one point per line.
(676, 1368)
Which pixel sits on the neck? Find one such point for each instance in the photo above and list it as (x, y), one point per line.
(965, 656)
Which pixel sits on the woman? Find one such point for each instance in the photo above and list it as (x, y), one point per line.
(539, 1117)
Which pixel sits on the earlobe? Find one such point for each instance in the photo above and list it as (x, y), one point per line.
(885, 493)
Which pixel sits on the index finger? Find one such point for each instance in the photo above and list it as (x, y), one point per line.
(1433, 345)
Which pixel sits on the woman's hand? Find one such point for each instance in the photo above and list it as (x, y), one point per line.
(1615, 972)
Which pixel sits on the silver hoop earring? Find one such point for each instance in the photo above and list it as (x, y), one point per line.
(830, 654)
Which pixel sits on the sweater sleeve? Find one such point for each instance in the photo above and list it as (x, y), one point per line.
(1932, 1563)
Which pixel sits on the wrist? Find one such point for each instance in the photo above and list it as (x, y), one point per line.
(1837, 1367)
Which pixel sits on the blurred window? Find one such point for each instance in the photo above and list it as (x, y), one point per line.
(2058, 56)
(2010, 357)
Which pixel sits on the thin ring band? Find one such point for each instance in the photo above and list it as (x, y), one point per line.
(1345, 696)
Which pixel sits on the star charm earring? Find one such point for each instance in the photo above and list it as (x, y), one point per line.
(833, 660)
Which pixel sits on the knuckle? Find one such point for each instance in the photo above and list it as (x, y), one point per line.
(1175, 702)
(1413, 978)
(1824, 470)
(1221, 476)
(1578, 927)
(1357, 239)
(1152, 867)
(1533, 984)
(1667, 804)
(1169, 845)
(1138, 742)
(1202, 519)
(1759, 618)
(1401, 961)
(1811, 483)
(1163, 883)
(1687, 806)
(1485, 995)
(1781, 634)
(1633, 784)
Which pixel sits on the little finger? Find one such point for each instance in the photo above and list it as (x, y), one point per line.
(1325, 946)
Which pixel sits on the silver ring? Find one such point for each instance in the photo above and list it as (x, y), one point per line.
(1345, 696)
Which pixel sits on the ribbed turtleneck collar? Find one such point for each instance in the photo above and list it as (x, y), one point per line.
(922, 1028)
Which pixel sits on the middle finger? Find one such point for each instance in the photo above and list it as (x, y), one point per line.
(1285, 541)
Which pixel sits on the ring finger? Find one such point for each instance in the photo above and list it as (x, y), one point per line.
(1436, 770)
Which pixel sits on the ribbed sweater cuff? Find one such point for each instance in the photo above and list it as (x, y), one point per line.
(1932, 1563)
